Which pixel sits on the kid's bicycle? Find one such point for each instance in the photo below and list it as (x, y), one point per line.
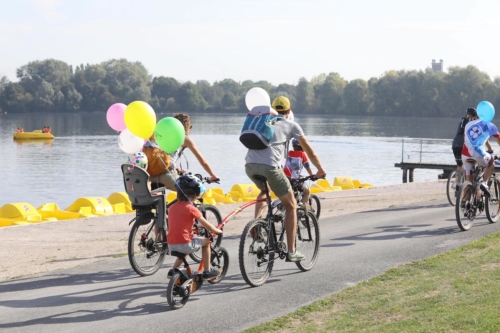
(184, 281)
(297, 184)
(471, 201)
(260, 246)
(147, 243)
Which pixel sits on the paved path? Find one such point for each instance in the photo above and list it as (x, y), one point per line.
(109, 297)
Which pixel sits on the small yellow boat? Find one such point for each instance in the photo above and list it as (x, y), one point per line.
(35, 135)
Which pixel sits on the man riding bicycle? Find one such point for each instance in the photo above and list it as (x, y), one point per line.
(267, 162)
(477, 133)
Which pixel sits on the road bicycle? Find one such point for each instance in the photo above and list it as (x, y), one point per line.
(260, 246)
(184, 281)
(314, 202)
(471, 201)
(147, 243)
(455, 180)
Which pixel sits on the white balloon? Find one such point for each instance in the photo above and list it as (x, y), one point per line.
(256, 97)
(129, 143)
(291, 116)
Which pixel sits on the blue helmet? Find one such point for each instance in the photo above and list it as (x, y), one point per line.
(296, 144)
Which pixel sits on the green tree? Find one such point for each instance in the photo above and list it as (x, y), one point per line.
(357, 99)
(189, 99)
(329, 94)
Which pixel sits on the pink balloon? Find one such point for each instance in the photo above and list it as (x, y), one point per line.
(115, 116)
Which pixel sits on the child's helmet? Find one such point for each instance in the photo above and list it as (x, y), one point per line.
(139, 160)
(296, 144)
(190, 185)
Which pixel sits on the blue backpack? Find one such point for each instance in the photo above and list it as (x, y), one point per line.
(258, 129)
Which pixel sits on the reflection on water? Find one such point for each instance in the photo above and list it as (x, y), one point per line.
(84, 158)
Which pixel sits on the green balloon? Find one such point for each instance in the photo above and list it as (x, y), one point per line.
(169, 134)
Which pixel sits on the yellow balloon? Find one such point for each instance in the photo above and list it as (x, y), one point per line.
(140, 119)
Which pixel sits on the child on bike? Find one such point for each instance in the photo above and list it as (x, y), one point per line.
(296, 160)
(181, 219)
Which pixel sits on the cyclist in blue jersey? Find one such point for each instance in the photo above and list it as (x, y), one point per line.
(476, 134)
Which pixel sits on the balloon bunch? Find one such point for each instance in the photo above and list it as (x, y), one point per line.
(258, 97)
(137, 123)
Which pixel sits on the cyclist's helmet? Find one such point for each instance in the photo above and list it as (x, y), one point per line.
(296, 144)
(471, 112)
(139, 160)
(190, 185)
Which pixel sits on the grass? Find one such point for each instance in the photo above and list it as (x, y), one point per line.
(458, 291)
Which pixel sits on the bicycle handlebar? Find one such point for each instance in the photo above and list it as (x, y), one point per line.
(207, 179)
(311, 177)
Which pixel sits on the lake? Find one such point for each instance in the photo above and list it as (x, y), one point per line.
(84, 159)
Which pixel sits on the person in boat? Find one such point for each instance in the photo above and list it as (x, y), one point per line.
(48, 129)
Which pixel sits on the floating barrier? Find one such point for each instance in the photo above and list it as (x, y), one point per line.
(120, 202)
(90, 206)
(22, 213)
(52, 211)
(357, 184)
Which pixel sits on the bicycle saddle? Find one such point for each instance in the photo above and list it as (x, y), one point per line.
(260, 178)
(177, 254)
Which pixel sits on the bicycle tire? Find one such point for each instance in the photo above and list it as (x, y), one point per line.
(220, 260)
(253, 242)
(463, 215)
(450, 190)
(212, 215)
(493, 202)
(307, 241)
(315, 205)
(147, 252)
(174, 286)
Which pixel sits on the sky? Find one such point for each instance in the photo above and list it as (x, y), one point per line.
(279, 41)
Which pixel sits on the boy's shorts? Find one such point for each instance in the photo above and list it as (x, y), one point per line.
(186, 248)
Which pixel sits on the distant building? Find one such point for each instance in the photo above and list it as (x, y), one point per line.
(437, 66)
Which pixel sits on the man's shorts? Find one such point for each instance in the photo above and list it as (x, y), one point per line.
(276, 178)
(481, 161)
(167, 179)
(186, 248)
(457, 152)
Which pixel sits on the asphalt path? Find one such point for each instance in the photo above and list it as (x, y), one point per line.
(109, 297)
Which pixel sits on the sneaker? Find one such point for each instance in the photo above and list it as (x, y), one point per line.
(294, 257)
(303, 206)
(170, 273)
(210, 274)
(485, 189)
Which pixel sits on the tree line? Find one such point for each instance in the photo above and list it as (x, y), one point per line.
(54, 86)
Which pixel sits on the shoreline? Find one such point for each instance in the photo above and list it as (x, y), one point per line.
(51, 246)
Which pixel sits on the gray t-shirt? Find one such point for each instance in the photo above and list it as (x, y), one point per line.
(284, 130)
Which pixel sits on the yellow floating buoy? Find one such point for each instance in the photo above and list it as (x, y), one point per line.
(90, 206)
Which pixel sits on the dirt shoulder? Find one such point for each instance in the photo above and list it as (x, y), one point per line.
(46, 247)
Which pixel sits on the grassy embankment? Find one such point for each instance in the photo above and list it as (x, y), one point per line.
(458, 291)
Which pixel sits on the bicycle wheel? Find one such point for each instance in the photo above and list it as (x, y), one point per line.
(220, 260)
(212, 215)
(315, 205)
(256, 263)
(308, 240)
(493, 202)
(177, 295)
(464, 212)
(146, 246)
(450, 188)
